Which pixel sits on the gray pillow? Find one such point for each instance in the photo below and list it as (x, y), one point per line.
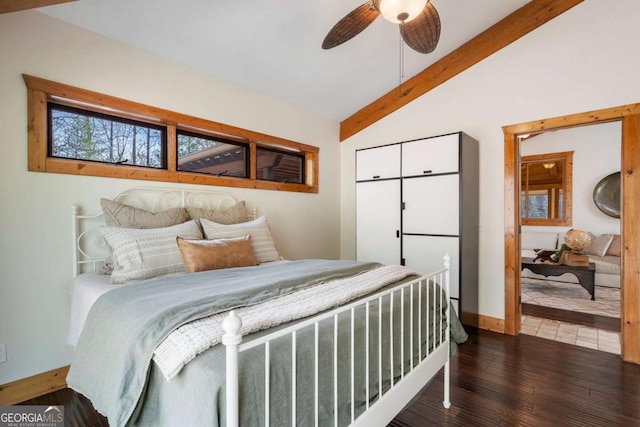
(121, 215)
(233, 215)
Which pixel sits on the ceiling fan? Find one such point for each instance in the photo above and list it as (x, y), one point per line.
(418, 20)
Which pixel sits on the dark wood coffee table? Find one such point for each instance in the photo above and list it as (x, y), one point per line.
(586, 275)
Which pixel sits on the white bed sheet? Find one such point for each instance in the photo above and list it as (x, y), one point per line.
(84, 290)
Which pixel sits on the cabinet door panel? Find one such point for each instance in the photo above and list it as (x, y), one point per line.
(378, 163)
(378, 221)
(432, 155)
(432, 205)
(425, 254)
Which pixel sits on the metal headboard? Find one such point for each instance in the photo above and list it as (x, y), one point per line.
(90, 251)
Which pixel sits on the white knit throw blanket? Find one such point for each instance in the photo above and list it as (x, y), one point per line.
(186, 342)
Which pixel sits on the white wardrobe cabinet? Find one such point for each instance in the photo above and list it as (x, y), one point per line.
(378, 222)
(431, 205)
(416, 201)
(381, 163)
(440, 155)
(425, 254)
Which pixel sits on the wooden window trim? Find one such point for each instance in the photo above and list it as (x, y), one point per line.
(567, 187)
(41, 91)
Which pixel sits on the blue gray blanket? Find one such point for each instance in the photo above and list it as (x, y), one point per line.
(112, 361)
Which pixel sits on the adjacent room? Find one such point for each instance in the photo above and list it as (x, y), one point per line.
(577, 163)
(320, 213)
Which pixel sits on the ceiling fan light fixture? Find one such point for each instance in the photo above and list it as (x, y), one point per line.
(399, 11)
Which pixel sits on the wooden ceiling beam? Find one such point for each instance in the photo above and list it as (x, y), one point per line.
(521, 22)
(7, 6)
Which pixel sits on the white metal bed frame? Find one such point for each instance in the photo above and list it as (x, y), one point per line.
(90, 252)
(389, 403)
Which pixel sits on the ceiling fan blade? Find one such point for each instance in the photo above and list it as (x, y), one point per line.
(351, 25)
(422, 33)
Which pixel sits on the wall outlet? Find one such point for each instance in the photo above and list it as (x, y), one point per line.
(3, 352)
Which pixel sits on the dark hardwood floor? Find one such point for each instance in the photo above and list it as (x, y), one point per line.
(591, 320)
(497, 380)
(78, 411)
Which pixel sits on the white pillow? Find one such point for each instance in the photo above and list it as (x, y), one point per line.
(146, 253)
(538, 240)
(263, 246)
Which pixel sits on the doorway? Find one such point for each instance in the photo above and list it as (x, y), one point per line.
(559, 171)
(629, 116)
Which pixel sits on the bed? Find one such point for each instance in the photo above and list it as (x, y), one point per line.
(252, 339)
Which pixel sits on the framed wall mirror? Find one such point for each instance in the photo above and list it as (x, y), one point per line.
(545, 189)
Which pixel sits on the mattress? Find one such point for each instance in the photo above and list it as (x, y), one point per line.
(83, 291)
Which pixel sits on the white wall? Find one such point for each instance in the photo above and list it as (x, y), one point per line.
(35, 226)
(583, 60)
(596, 154)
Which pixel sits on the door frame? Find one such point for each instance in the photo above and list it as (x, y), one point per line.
(629, 116)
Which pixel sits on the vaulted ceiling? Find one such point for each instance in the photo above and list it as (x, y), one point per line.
(274, 47)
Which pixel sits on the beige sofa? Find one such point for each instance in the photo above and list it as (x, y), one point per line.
(604, 251)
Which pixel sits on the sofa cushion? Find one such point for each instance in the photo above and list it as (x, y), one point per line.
(599, 244)
(606, 264)
(615, 248)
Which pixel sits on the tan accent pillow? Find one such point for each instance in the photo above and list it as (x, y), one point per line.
(600, 244)
(233, 215)
(120, 215)
(202, 255)
(615, 248)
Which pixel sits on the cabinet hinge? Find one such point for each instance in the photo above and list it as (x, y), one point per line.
(402, 261)
(404, 206)
(520, 300)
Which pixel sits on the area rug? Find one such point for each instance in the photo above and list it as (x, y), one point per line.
(573, 297)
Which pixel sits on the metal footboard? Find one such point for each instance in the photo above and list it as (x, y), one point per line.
(388, 384)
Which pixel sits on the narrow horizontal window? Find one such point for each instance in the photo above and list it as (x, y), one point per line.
(213, 156)
(87, 135)
(80, 132)
(278, 166)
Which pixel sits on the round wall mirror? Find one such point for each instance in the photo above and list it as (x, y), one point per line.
(606, 195)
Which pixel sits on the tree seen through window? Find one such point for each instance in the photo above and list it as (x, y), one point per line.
(77, 134)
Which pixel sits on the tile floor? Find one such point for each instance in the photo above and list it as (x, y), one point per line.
(579, 335)
(571, 297)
